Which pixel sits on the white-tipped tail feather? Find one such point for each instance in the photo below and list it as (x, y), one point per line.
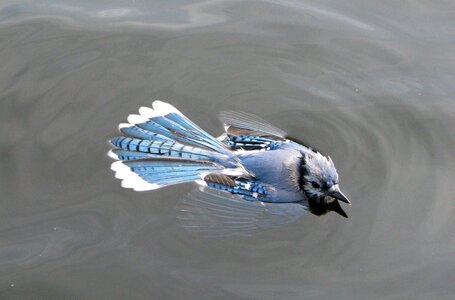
(123, 125)
(136, 119)
(164, 108)
(148, 112)
(111, 154)
(160, 108)
(130, 179)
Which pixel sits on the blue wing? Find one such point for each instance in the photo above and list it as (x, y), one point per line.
(249, 132)
(250, 123)
(248, 188)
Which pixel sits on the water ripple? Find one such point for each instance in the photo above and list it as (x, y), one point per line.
(136, 14)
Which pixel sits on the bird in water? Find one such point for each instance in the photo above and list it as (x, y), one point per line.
(253, 159)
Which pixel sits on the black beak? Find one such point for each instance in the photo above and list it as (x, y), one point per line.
(337, 194)
(336, 207)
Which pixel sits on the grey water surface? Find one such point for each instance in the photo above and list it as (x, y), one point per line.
(371, 83)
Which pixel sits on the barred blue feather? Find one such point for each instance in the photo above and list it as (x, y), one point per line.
(165, 148)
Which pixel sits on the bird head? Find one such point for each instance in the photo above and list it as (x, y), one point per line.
(319, 182)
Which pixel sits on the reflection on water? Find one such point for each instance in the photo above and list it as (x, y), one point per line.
(158, 14)
(370, 83)
(218, 213)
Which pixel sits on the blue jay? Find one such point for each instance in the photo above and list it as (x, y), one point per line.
(252, 159)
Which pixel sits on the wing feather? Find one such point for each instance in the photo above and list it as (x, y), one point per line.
(242, 123)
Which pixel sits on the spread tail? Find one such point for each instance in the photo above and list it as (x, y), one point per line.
(162, 147)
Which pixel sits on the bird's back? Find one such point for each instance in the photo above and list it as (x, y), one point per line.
(279, 170)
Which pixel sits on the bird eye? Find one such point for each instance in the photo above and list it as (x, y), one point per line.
(315, 185)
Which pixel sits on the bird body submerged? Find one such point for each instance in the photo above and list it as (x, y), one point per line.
(253, 159)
